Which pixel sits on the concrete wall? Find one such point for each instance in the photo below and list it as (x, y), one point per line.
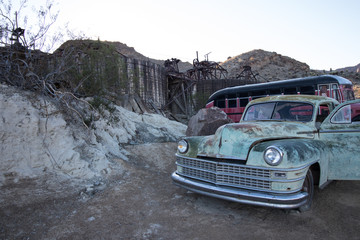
(100, 69)
(146, 79)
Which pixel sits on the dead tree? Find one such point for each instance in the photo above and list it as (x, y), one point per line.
(23, 64)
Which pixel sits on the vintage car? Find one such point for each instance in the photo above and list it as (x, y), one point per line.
(282, 147)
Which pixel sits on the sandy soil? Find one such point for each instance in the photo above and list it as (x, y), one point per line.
(140, 202)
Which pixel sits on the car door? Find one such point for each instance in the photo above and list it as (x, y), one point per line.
(340, 131)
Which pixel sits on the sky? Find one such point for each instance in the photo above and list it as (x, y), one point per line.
(322, 33)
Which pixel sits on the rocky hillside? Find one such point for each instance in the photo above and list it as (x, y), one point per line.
(355, 69)
(270, 66)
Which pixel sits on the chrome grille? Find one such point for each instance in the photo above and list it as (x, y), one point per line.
(202, 175)
(241, 170)
(227, 174)
(195, 163)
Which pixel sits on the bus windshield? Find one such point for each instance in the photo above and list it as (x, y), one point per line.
(348, 93)
(280, 111)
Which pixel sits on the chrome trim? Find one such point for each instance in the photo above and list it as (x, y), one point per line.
(255, 167)
(224, 157)
(340, 131)
(292, 200)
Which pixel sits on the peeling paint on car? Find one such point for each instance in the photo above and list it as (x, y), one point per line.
(235, 140)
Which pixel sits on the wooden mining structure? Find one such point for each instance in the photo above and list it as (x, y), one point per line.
(188, 91)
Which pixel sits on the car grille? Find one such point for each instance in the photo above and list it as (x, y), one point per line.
(226, 174)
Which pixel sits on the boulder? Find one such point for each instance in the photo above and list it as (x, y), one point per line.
(207, 121)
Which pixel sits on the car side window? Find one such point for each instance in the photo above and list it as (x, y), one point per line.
(349, 113)
(323, 112)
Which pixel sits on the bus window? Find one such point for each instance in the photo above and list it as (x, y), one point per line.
(335, 92)
(347, 92)
(244, 101)
(220, 103)
(307, 90)
(323, 89)
(288, 91)
(232, 103)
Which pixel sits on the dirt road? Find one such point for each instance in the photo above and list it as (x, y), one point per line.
(140, 202)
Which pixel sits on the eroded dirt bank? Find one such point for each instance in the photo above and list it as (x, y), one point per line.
(140, 202)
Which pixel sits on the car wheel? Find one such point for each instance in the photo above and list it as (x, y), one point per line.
(308, 187)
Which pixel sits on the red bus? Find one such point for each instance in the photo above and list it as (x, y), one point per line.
(234, 99)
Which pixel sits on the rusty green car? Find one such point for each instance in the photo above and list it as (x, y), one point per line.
(281, 149)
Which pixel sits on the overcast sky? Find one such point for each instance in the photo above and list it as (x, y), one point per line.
(321, 33)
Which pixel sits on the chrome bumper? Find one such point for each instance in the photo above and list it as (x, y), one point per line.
(293, 200)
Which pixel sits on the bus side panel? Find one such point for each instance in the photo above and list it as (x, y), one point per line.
(210, 104)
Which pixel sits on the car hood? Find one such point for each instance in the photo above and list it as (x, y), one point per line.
(233, 141)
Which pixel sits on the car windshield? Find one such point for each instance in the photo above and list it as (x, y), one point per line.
(281, 111)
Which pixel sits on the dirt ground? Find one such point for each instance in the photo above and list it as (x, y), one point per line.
(140, 202)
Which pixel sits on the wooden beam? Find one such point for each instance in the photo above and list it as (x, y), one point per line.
(140, 103)
(134, 105)
(179, 105)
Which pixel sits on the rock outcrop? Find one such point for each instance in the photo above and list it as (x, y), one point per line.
(269, 65)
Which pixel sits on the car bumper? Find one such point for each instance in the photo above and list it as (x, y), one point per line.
(285, 201)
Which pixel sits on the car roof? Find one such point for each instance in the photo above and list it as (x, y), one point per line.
(302, 98)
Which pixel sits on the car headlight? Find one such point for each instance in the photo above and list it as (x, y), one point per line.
(273, 155)
(183, 146)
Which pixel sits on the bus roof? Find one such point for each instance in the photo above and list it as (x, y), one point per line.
(280, 84)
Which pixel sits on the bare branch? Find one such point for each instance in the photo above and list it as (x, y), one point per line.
(29, 68)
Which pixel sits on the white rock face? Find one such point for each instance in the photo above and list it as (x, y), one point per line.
(35, 138)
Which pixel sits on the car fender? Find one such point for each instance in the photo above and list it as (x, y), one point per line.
(298, 153)
(193, 145)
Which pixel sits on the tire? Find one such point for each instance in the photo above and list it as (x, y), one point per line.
(308, 186)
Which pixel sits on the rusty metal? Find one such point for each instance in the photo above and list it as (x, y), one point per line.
(16, 34)
(206, 69)
(247, 75)
(171, 66)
